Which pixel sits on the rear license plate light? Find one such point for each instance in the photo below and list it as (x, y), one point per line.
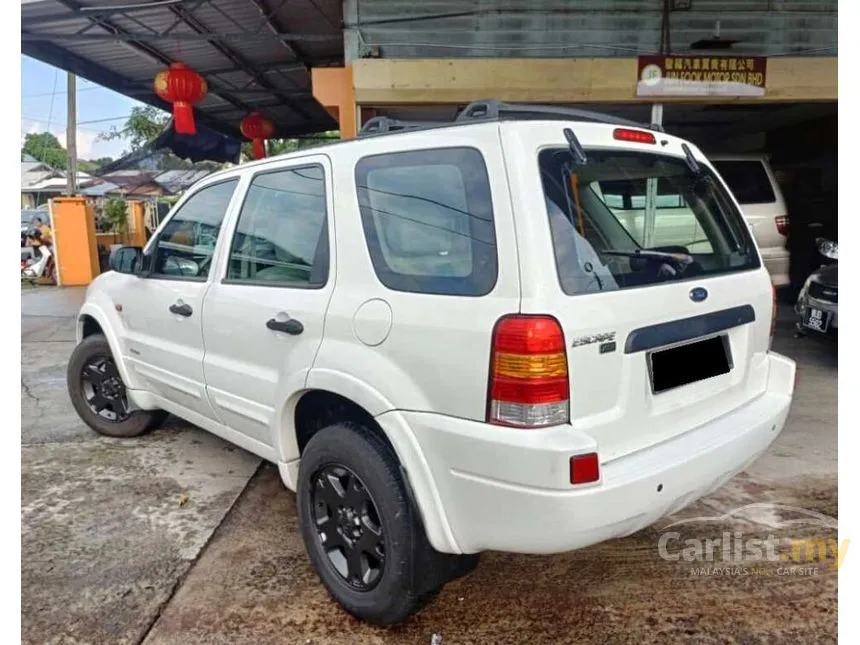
(689, 363)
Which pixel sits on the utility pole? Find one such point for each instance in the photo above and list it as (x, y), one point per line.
(71, 134)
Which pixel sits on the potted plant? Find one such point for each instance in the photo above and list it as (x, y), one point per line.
(116, 215)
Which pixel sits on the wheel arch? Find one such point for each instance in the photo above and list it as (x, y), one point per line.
(327, 399)
(92, 319)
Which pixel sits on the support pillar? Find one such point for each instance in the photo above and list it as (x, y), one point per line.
(73, 225)
(333, 88)
(137, 224)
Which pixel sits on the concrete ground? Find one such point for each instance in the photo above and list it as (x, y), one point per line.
(179, 538)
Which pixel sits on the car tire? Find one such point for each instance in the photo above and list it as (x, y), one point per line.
(93, 381)
(408, 576)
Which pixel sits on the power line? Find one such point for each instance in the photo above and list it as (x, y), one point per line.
(106, 120)
(41, 94)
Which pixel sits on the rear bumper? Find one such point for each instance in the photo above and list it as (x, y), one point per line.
(508, 490)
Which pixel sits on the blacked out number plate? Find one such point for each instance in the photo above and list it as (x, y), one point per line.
(688, 363)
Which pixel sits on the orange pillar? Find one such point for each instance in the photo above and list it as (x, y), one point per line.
(137, 224)
(334, 89)
(73, 225)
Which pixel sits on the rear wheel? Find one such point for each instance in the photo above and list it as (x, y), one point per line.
(360, 530)
(99, 395)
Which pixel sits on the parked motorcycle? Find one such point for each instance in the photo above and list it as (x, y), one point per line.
(41, 268)
(818, 302)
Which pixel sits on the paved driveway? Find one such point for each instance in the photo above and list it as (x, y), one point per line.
(177, 538)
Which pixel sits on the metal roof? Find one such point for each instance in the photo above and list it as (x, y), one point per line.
(175, 181)
(254, 54)
(585, 28)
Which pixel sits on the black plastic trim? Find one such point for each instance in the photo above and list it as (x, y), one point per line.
(678, 331)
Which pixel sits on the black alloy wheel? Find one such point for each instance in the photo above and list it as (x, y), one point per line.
(103, 389)
(348, 526)
(99, 394)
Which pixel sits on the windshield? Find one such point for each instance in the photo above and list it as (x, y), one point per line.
(629, 219)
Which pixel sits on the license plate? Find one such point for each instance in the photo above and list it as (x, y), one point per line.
(688, 363)
(816, 320)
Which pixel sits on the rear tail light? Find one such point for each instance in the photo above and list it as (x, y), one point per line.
(637, 136)
(782, 224)
(528, 385)
(584, 468)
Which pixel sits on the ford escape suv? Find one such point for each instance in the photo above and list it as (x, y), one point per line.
(452, 338)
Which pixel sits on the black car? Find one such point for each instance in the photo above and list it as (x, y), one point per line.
(818, 302)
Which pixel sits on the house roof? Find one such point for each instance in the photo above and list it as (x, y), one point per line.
(100, 189)
(254, 54)
(39, 177)
(175, 181)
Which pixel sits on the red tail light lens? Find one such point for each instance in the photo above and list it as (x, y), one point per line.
(782, 224)
(528, 373)
(637, 136)
(584, 468)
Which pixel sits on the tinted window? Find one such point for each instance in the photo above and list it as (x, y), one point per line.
(695, 231)
(185, 246)
(281, 237)
(428, 220)
(747, 180)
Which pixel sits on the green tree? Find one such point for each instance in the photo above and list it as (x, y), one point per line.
(45, 147)
(283, 146)
(143, 125)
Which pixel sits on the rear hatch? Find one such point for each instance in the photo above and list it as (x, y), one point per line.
(663, 303)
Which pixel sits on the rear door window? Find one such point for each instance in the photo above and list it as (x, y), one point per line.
(428, 220)
(282, 235)
(748, 180)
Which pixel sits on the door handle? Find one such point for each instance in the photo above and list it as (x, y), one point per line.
(291, 326)
(182, 310)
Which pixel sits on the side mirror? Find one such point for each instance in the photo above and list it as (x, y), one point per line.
(126, 259)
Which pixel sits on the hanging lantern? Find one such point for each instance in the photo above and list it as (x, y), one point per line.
(183, 87)
(257, 128)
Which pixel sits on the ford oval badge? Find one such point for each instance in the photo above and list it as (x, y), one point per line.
(698, 294)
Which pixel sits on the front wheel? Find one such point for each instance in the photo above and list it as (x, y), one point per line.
(361, 532)
(98, 393)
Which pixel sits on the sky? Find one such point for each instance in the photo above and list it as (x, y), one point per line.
(43, 108)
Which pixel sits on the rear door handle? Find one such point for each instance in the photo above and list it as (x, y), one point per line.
(291, 326)
(182, 310)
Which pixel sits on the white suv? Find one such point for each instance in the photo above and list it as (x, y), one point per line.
(448, 340)
(752, 181)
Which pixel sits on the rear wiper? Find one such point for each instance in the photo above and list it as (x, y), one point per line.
(691, 160)
(576, 149)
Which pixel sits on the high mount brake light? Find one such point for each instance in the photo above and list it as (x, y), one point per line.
(636, 136)
(528, 385)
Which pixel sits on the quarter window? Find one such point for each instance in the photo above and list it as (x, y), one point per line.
(282, 235)
(185, 246)
(428, 220)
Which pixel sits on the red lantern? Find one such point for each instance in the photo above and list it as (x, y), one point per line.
(183, 87)
(257, 128)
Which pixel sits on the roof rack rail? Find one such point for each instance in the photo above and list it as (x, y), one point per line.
(384, 124)
(493, 109)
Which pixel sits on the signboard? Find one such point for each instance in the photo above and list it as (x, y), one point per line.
(703, 75)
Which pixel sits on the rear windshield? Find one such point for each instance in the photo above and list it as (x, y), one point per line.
(630, 219)
(747, 180)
